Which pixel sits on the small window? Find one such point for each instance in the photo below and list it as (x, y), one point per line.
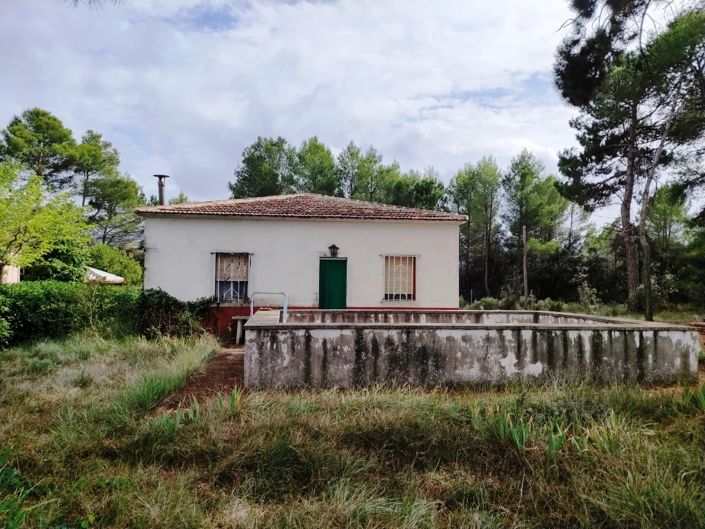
(231, 275)
(399, 277)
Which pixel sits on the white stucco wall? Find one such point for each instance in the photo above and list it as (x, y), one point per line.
(285, 257)
(10, 275)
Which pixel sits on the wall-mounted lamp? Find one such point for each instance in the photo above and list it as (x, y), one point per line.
(333, 249)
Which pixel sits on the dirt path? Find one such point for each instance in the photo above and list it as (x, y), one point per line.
(220, 374)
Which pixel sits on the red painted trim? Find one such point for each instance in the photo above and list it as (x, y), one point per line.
(220, 318)
(402, 308)
(246, 310)
(414, 274)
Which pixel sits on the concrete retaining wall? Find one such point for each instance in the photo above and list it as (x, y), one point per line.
(482, 317)
(347, 349)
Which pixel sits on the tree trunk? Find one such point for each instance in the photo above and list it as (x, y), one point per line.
(627, 227)
(84, 191)
(487, 262)
(645, 199)
(646, 276)
(468, 290)
(525, 267)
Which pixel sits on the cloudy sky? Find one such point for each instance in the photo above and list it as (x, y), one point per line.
(182, 86)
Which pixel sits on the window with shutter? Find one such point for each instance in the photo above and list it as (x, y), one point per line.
(231, 276)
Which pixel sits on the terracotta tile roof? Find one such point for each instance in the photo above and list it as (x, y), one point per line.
(305, 205)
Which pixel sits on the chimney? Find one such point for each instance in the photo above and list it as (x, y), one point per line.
(161, 185)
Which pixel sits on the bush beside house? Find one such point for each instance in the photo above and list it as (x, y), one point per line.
(116, 261)
(36, 310)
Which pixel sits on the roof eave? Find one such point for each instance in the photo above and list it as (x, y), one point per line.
(460, 219)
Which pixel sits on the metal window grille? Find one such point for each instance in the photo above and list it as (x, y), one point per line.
(399, 277)
(231, 276)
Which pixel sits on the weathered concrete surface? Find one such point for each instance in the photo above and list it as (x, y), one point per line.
(357, 348)
(482, 317)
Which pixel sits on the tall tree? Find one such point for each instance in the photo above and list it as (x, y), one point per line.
(39, 141)
(669, 87)
(666, 223)
(372, 175)
(181, 198)
(412, 189)
(33, 222)
(267, 168)
(315, 169)
(632, 124)
(92, 158)
(112, 200)
(475, 192)
(603, 262)
(531, 200)
(116, 261)
(360, 173)
(674, 243)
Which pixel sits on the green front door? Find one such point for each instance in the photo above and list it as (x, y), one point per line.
(332, 283)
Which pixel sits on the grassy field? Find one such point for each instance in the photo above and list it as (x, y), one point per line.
(84, 443)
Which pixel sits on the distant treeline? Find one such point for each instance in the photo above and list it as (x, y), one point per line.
(568, 255)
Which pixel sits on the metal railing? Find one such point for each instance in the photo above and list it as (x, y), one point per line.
(285, 307)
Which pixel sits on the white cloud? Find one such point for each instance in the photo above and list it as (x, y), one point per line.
(182, 87)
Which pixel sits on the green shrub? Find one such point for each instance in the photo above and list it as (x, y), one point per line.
(587, 297)
(487, 303)
(34, 310)
(5, 329)
(65, 262)
(50, 309)
(116, 261)
(160, 314)
(549, 304)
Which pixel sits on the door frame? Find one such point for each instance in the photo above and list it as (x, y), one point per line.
(328, 258)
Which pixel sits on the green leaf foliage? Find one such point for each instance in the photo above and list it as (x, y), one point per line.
(50, 309)
(160, 314)
(359, 173)
(181, 198)
(39, 141)
(413, 189)
(65, 262)
(90, 159)
(116, 261)
(271, 166)
(315, 169)
(532, 200)
(112, 200)
(34, 223)
(267, 168)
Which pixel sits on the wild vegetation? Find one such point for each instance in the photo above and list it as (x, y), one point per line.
(85, 443)
(35, 310)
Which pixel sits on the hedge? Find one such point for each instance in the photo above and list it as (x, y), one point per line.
(158, 313)
(34, 310)
(52, 309)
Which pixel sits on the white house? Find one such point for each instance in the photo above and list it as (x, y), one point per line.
(321, 251)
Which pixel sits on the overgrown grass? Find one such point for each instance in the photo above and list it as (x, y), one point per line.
(87, 444)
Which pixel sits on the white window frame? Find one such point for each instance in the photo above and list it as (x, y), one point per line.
(399, 289)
